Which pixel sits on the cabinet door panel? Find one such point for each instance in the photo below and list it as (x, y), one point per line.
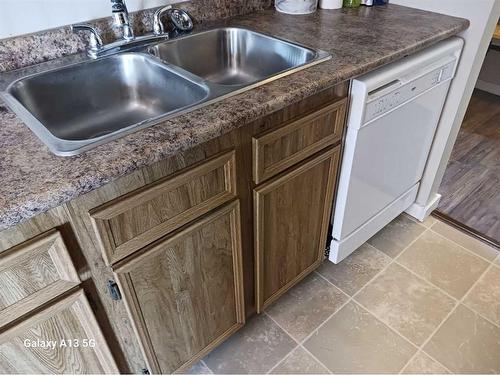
(184, 293)
(32, 273)
(279, 149)
(292, 214)
(24, 350)
(135, 220)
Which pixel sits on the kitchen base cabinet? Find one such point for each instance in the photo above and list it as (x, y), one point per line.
(63, 338)
(167, 254)
(185, 293)
(292, 215)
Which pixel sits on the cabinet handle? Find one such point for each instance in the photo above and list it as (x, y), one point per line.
(114, 291)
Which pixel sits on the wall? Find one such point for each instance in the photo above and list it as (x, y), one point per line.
(483, 15)
(19, 17)
(489, 78)
(24, 50)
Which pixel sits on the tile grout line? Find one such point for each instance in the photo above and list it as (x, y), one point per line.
(299, 345)
(430, 283)
(332, 284)
(385, 324)
(462, 299)
(205, 364)
(394, 261)
(457, 303)
(431, 357)
(351, 298)
(288, 355)
(449, 295)
(470, 290)
(414, 219)
(463, 247)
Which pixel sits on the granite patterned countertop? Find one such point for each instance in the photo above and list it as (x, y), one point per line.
(33, 180)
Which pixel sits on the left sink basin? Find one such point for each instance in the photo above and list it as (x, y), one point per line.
(73, 108)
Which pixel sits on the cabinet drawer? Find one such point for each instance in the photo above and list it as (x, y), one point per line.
(184, 293)
(279, 149)
(70, 327)
(33, 273)
(132, 221)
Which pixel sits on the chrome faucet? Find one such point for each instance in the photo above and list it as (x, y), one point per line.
(180, 20)
(158, 26)
(95, 43)
(120, 16)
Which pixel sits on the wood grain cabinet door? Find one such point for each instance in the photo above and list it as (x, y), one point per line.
(292, 214)
(32, 273)
(184, 293)
(63, 338)
(279, 149)
(130, 222)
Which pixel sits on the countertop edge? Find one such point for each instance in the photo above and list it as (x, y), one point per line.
(14, 214)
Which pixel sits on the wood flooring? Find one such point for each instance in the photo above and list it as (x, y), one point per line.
(471, 185)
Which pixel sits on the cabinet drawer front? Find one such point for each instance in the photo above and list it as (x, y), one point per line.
(280, 149)
(292, 214)
(63, 325)
(185, 294)
(33, 273)
(133, 221)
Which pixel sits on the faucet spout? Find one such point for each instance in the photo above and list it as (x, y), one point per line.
(121, 19)
(158, 27)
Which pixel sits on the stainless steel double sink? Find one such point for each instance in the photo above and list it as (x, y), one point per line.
(78, 106)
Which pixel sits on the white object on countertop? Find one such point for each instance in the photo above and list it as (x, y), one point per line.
(393, 118)
(296, 6)
(330, 4)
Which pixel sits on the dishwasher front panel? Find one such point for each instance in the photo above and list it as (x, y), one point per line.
(385, 158)
(393, 117)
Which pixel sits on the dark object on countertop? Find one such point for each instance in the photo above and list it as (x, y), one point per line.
(380, 2)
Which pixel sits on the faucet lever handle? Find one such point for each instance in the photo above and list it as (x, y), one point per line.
(158, 26)
(95, 39)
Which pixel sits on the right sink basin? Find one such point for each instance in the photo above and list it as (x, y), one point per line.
(233, 56)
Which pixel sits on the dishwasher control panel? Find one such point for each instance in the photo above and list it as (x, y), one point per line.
(379, 103)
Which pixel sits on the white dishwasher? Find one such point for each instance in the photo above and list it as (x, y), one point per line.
(393, 117)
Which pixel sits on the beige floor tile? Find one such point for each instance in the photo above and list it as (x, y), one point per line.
(470, 243)
(443, 263)
(356, 270)
(406, 303)
(497, 261)
(303, 308)
(256, 348)
(198, 369)
(429, 222)
(299, 362)
(485, 296)
(353, 341)
(467, 344)
(397, 235)
(423, 364)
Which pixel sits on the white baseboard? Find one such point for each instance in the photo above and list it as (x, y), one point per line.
(492, 88)
(422, 212)
(339, 250)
